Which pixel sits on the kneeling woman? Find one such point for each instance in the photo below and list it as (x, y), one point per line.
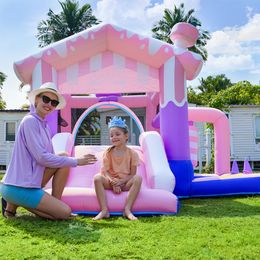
(34, 163)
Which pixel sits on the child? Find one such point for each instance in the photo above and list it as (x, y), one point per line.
(118, 172)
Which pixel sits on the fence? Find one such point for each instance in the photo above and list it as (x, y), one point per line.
(88, 140)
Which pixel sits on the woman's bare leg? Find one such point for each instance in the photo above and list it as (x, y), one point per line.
(49, 207)
(59, 180)
(101, 183)
(52, 208)
(134, 186)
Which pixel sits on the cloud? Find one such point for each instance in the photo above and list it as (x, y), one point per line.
(235, 40)
(250, 31)
(235, 48)
(223, 42)
(224, 63)
(255, 71)
(124, 13)
(137, 15)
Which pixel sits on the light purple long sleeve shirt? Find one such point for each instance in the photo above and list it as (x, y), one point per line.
(32, 153)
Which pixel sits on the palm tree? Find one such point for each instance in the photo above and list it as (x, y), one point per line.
(209, 88)
(163, 28)
(214, 84)
(71, 20)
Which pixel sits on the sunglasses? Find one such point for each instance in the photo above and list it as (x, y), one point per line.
(47, 100)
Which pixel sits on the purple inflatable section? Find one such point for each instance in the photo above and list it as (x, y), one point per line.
(175, 131)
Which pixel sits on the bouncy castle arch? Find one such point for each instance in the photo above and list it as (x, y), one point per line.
(106, 104)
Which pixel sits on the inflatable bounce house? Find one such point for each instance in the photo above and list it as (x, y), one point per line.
(93, 69)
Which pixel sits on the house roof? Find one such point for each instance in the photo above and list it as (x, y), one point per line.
(14, 110)
(244, 106)
(103, 38)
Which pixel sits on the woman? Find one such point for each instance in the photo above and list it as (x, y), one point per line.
(33, 162)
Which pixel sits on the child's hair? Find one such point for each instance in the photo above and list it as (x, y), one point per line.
(118, 122)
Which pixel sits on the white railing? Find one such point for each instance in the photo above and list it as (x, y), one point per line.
(88, 140)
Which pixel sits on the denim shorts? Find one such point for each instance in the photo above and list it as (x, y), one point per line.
(20, 196)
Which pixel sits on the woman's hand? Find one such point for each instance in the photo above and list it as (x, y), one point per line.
(87, 159)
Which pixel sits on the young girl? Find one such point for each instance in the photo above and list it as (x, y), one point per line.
(118, 172)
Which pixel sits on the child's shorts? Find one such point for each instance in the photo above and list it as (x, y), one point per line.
(25, 197)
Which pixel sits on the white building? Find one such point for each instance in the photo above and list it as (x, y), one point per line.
(244, 123)
(245, 133)
(244, 127)
(9, 122)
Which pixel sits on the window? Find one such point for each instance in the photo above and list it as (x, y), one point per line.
(257, 129)
(89, 130)
(10, 131)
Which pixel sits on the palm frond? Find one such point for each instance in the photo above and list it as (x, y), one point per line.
(70, 20)
(162, 29)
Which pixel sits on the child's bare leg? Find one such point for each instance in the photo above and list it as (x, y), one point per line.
(133, 186)
(101, 183)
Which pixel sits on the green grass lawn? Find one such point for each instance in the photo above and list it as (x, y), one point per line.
(212, 228)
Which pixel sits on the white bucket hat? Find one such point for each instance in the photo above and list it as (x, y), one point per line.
(47, 87)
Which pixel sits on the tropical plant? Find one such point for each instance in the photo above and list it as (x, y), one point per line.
(70, 20)
(25, 107)
(219, 92)
(242, 93)
(162, 29)
(209, 87)
(194, 97)
(213, 84)
(2, 79)
(90, 125)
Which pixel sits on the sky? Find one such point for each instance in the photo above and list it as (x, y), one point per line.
(234, 25)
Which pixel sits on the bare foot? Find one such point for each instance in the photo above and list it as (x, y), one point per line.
(128, 214)
(102, 214)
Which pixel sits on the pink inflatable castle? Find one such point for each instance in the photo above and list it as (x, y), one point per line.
(94, 68)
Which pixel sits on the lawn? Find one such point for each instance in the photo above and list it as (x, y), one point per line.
(212, 228)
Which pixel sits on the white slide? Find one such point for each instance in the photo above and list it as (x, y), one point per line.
(158, 171)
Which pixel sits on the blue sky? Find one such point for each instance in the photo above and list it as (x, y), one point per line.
(234, 25)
